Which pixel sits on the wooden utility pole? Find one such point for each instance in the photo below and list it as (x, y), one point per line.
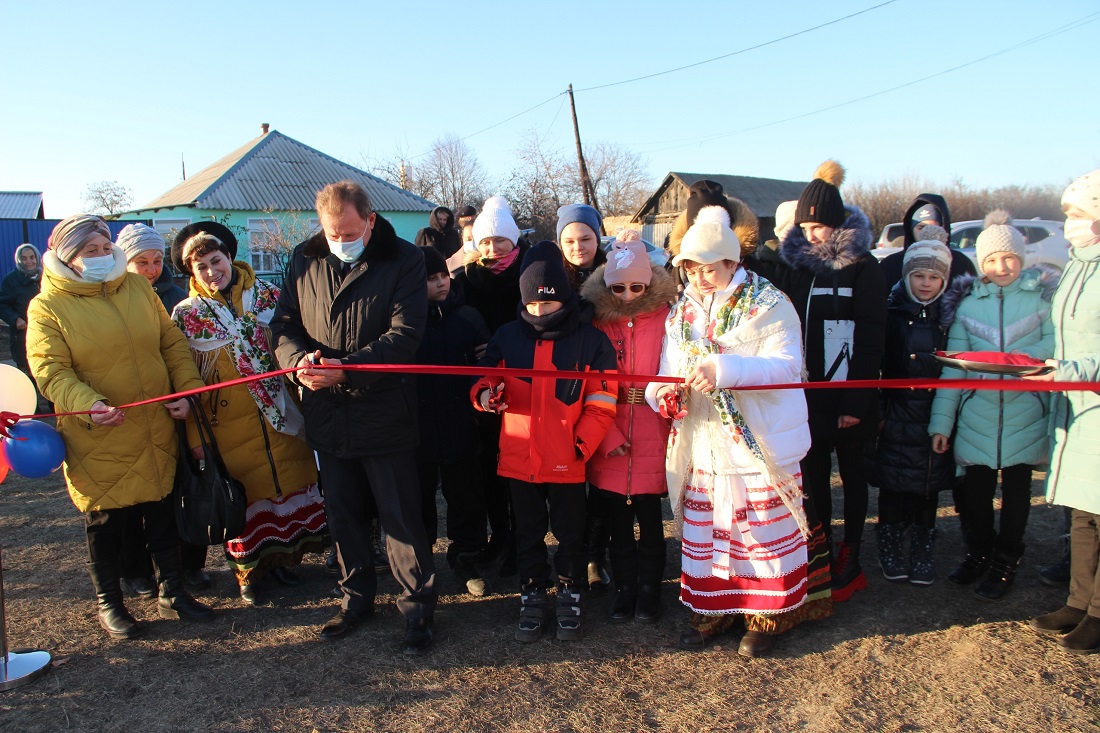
(587, 189)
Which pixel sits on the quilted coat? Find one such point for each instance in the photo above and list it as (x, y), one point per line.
(636, 331)
(996, 429)
(110, 341)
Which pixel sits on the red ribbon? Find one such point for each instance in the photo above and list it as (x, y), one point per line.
(7, 419)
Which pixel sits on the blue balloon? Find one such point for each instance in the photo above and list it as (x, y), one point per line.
(40, 454)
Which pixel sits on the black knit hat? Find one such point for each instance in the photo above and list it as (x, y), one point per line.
(542, 275)
(466, 211)
(820, 202)
(433, 261)
(703, 193)
(212, 228)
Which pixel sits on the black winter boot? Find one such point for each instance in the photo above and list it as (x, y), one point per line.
(174, 600)
(998, 581)
(848, 575)
(113, 616)
(889, 537)
(648, 608)
(570, 613)
(972, 568)
(922, 555)
(532, 612)
(623, 604)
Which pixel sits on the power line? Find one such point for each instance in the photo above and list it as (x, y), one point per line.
(740, 51)
(686, 142)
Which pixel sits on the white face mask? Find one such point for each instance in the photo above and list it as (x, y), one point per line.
(346, 251)
(96, 269)
(1079, 232)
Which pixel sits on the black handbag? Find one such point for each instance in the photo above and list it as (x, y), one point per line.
(210, 504)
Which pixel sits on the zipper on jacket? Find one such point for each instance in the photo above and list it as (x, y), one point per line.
(1000, 393)
(630, 420)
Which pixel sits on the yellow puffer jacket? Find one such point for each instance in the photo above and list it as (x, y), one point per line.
(256, 454)
(113, 342)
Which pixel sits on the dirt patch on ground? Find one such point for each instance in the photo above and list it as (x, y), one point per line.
(895, 658)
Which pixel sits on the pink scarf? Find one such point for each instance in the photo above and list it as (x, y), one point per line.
(500, 265)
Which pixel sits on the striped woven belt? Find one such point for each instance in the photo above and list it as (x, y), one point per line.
(631, 396)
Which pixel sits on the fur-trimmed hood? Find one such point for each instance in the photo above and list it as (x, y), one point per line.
(743, 222)
(661, 292)
(847, 245)
(1043, 278)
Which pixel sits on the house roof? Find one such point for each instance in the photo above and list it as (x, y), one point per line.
(762, 195)
(277, 172)
(21, 205)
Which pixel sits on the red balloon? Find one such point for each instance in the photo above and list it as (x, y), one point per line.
(3, 464)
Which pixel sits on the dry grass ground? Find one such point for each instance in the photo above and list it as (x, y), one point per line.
(895, 658)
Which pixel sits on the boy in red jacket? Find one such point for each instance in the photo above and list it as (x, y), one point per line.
(551, 427)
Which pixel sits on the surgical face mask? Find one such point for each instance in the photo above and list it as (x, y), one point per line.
(346, 251)
(96, 269)
(1079, 232)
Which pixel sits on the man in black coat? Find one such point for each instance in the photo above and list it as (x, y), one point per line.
(356, 294)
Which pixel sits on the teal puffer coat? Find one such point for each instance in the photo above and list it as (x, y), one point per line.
(1074, 476)
(997, 429)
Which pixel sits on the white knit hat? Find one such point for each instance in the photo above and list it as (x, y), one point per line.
(1084, 193)
(137, 238)
(710, 239)
(495, 220)
(1000, 236)
(784, 218)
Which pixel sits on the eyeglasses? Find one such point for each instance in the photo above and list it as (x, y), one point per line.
(620, 288)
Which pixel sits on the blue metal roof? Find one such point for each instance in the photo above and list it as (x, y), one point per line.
(20, 204)
(277, 172)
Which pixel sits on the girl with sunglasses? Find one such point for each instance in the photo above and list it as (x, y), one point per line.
(631, 298)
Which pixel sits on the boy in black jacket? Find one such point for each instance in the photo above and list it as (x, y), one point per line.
(450, 449)
(838, 289)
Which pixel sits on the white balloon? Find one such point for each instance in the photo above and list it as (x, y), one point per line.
(17, 393)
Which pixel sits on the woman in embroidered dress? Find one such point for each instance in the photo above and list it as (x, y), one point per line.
(257, 425)
(732, 459)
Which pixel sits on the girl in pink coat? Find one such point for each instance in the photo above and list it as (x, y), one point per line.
(632, 299)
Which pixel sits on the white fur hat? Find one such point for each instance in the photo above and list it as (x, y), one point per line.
(495, 220)
(710, 239)
(999, 236)
(784, 218)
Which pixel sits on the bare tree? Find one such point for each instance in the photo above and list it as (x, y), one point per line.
(450, 174)
(620, 177)
(543, 181)
(107, 198)
(885, 202)
(277, 234)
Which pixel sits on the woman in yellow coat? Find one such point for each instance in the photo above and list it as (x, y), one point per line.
(257, 425)
(98, 337)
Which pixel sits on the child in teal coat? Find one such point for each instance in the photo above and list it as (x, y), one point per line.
(1006, 309)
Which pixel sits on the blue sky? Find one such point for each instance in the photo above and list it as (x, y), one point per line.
(120, 90)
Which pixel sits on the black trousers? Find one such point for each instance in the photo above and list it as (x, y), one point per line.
(135, 562)
(640, 561)
(495, 489)
(817, 468)
(462, 489)
(561, 509)
(106, 529)
(903, 507)
(980, 487)
(389, 483)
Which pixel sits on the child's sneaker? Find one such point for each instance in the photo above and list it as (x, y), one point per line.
(532, 614)
(570, 620)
